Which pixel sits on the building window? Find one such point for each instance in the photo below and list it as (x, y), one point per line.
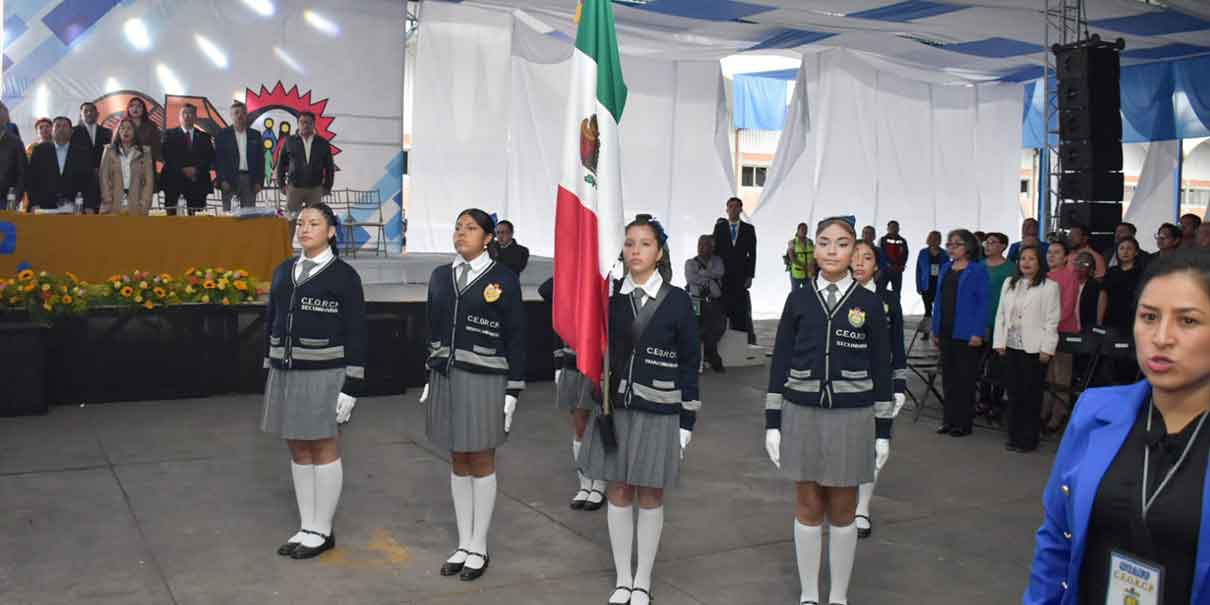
(1024, 185)
(753, 176)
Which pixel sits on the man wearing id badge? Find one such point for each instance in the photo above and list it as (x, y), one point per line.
(1127, 511)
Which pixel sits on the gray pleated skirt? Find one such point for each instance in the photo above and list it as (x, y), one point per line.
(573, 391)
(831, 447)
(465, 411)
(301, 404)
(648, 453)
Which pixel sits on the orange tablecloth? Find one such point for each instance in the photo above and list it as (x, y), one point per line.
(95, 247)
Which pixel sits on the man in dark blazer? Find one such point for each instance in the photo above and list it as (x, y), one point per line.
(735, 243)
(305, 170)
(188, 158)
(93, 137)
(508, 252)
(58, 170)
(239, 159)
(13, 166)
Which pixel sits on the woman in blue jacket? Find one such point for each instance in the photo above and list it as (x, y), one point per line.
(959, 322)
(1127, 507)
(928, 268)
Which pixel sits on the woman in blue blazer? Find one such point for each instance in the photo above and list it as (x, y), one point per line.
(1132, 444)
(959, 322)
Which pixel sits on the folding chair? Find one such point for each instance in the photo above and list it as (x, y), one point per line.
(1074, 344)
(925, 363)
(364, 209)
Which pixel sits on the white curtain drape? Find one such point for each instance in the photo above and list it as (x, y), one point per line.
(1154, 201)
(879, 146)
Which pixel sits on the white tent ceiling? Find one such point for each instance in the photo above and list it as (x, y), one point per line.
(955, 40)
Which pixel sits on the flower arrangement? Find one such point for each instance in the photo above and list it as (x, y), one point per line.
(216, 285)
(141, 289)
(43, 295)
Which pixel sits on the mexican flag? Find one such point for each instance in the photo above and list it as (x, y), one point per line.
(588, 214)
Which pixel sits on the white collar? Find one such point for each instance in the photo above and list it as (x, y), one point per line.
(319, 259)
(870, 285)
(736, 221)
(651, 288)
(821, 282)
(479, 263)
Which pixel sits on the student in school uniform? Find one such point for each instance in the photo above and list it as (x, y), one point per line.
(865, 273)
(654, 357)
(573, 392)
(828, 382)
(317, 344)
(476, 372)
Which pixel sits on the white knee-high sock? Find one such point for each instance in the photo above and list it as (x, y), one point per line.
(621, 540)
(485, 503)
(864, 493)
(585, 482)
(575, 451)
(651, 525)
(304, 494)
(329, 481)
(808, 546)
(463, 491)
(842, 549)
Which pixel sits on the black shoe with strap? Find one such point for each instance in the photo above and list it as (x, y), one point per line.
(469, 573)
(287, 548)
(864, 532)
(453, 569)
(303, 551)
(577, 503)
(590, 505)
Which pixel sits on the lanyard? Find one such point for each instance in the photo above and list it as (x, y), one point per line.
(1147, 502)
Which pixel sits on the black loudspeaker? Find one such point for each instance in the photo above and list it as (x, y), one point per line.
(1091, 156)
(1082, 124)
(1101, 241)
(1098, 217)
(1104, 186)
(1085, 60)
(22, 369)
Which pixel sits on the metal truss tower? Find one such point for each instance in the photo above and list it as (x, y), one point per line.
(1066, 22)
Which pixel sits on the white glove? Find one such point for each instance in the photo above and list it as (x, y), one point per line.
(424, 395)
(882, 451)
(558, 374)
(344, 408)
(510, 406)
(773, 446)
(900, 399)
(686, 437)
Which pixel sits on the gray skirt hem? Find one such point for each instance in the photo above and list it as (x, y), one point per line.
(573, 391)
(648, 452)
(465, 410)
(301, 404)
(833, 447)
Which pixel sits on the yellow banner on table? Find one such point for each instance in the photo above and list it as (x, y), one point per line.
(95, 247)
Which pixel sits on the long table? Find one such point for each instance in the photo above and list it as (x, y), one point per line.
(95, 247)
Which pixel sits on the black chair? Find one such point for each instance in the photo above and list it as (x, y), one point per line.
(1078, 345)
(925, 362)
(1114, 348)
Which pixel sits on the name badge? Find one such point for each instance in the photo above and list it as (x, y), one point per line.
(934, 270)
(1133, 581)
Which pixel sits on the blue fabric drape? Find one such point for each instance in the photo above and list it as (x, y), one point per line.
(760, 102)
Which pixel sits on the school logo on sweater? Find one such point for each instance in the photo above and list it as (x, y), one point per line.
(492, 293)
(856, 317)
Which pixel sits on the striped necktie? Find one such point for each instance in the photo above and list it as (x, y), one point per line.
(833, 294)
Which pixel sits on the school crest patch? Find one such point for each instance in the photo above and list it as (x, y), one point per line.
(856, 317)
(492, 293)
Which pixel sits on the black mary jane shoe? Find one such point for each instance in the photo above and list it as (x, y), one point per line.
(303, 551)
(590, 505)
(865, 533)
(577, 503)
(945, 429)
(287, 549)
(470, 574)
(452, 569)
(615, 589)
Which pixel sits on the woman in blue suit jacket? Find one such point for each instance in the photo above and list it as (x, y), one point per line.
(1096, 534)
(959, 322)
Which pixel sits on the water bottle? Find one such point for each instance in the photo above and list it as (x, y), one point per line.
(79, 203)
(180, 207)
(12, 201)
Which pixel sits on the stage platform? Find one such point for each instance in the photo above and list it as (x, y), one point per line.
(405, 278)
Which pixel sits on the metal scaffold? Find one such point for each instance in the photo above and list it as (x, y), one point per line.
(1066, 23)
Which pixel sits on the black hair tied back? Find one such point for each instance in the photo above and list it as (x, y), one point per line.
(329, 218)
(487, 224)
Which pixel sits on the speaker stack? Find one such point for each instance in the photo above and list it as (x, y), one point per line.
(1090, 136)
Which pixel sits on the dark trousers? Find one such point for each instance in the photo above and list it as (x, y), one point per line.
(711, 325)
(895, 280)
(738, 308)
(929, 296)
(195, 200)
(1026, 376)
(959, 368)
(994, 377)
(92, 192)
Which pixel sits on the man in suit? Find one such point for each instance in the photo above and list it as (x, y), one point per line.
(58, 170)
(735, 243)
(510, 253)
(93, 137)
(188, 157)
(239, 159)
(305, 170)
(13, 165)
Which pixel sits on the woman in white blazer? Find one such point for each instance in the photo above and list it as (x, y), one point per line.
(1026, 333)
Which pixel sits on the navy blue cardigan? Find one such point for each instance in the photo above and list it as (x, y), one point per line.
(482, 329)
(661, 376)
(319, 323)
(830, 360)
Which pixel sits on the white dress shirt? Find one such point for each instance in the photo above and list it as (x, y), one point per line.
(822, 282)
(125, 155)
(321, 260)
(241, 145)
(188, 135)
(92, 132)
(651, 288)
(477, 266)
(306, 141)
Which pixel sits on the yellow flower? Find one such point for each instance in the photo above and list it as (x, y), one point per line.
(142, 285)
(14, 300)
(190, 271)
(188, 289)
(46, 287)
(209, 284)
(116, 284)
(225, 301)
(72, 276)
(127, 291)
(222, 284)
(26, 274)
(165, 277)
(30, 287)
(160, 292)
(67, 300)
(42, 274)
(205, 298)
(63, 289)
(138, 298)
(241, 285)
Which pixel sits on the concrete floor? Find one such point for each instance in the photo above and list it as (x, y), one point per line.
(185, 502)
